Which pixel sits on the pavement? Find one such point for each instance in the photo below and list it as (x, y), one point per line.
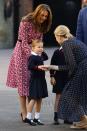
(9, 104)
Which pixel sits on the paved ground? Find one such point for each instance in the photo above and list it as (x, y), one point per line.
(9, 104)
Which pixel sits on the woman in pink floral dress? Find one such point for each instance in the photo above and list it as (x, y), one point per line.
(32, 26)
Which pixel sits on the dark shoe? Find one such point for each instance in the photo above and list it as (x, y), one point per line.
(56, 118)
(56, 122)
(38, 122)
(30, 122)
(23, 120)
(68, 122)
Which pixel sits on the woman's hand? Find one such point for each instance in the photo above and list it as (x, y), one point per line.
(48, 67)
(43, 67)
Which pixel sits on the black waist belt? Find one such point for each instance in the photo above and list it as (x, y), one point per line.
(19, 40)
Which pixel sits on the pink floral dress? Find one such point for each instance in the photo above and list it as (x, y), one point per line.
(18, 74)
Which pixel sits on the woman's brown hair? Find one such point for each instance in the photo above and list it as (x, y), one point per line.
(44, 27)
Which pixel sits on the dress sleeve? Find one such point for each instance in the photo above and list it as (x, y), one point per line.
(24, 29)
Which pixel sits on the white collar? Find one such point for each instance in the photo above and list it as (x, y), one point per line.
(33, 53)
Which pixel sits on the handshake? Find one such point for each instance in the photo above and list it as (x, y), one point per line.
(48, 67)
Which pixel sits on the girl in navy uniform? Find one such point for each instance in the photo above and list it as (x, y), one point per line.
(38, 85)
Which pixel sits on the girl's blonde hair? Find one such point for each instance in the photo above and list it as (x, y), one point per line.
(44, 27)
(63, 30)
(36, 42)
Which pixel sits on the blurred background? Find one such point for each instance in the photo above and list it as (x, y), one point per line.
(11, 11)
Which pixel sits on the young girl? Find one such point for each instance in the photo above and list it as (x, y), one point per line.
(38, 85)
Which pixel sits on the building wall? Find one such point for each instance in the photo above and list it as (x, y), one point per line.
(7, 26)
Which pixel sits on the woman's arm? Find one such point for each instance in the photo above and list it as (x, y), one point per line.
(58, 68)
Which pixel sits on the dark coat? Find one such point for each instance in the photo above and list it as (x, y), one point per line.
(81, 32)
(60, 76)
(37, 83)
